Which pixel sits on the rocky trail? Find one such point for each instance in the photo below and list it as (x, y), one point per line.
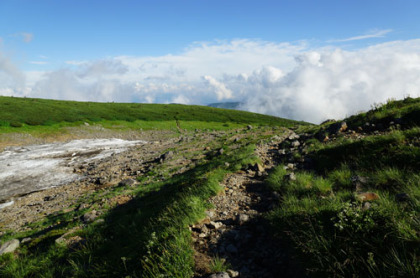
(235, 231)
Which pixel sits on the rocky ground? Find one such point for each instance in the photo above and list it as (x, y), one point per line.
(235, 231)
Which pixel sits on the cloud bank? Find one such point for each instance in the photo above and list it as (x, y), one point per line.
(293, 80)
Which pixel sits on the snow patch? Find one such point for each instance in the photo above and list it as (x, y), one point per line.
(33, 168)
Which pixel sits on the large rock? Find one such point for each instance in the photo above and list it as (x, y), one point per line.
(9, 246)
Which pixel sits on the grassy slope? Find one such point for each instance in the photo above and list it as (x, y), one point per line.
(334, 232)
(327, 225)
(26, 111)
(146, 237)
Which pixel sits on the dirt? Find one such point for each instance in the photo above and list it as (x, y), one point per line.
(236, 230)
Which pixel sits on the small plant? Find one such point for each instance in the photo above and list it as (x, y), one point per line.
(219, 264)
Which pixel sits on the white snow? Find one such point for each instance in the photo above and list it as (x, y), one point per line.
(37, 167)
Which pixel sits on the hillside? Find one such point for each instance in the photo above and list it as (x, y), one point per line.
(16, 112)
(243, 197)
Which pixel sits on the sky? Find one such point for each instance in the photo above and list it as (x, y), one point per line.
(306, 60)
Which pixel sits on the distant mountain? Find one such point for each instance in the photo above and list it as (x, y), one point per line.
(226, 105)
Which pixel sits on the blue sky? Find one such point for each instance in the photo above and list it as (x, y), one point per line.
(74, 30)
(83, 42)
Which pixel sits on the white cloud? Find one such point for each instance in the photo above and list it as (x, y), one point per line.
(181, 99)
(289, 80)
(76, 63)
(10, 75)
(220, 89)
(369, 35)
(38, 62)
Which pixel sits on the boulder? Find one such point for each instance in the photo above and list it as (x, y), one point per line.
(9, 246)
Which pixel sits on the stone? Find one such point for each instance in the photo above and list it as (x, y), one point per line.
(232, 249)
(366, 205)
(9, 246)
(227, 164)
(359, 182)
(232, 273)
(215, 225)
(249, 127)
(337, 127)
(290, 166)
(282, 152)
(219, 275)
(242, 218)
(210, 213)
(294, 136)
(127, 182)
(221, 151)
(26, 239)
(99, 221)
(367, 196)
(166, 156)
(90, 216)
(295, 144)
(258, 167)
(291, 176)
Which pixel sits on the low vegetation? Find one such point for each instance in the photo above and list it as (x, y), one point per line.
(20, 112)
(354, 209)
(348, 206)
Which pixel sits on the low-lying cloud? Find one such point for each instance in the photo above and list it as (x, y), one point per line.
(289, 80)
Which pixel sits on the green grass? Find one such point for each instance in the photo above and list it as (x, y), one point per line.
(35, 112)
(331, 230)
(146, 237)
(405, 112)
